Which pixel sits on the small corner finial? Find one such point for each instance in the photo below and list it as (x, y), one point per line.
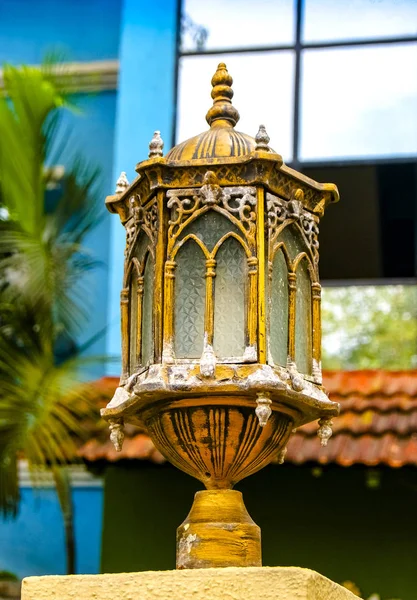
(222, 95)
(156, 145)
(122, 183)
(262, 139)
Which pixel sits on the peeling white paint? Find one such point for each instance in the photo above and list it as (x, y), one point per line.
(250, 353)
(120, 396)
(185, 546)
(207, 360)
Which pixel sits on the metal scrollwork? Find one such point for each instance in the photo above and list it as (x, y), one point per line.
(276, 211)
(311, 230)
(145, 218)
(280, 210)
(239, 203)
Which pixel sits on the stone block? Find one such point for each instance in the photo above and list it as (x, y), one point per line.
(234, 583)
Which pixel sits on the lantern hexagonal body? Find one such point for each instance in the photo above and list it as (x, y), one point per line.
(220, 312)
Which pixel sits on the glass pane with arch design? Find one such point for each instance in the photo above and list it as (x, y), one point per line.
(189, 301)
(278, 316)
(147, 312)
(303, 320)
(229, 299)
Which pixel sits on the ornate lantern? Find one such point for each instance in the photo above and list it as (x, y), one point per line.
(220, 312)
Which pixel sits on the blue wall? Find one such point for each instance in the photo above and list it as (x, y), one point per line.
(145, 103)
(92, 133)
(34, 544)
(83, 29)
(86, 30)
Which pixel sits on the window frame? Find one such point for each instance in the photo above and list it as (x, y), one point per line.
(298, 47)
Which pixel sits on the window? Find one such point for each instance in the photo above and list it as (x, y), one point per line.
(329, 79)
(335, 83)
(345, 20)
(221, 24)
(251, 72)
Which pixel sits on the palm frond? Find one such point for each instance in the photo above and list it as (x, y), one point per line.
(44, 404)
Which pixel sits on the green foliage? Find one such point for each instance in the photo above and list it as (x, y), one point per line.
(370, 327)
(8, 576)
(43, 263)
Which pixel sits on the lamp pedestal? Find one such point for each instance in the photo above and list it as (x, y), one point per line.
(218, 532)
(253, 583)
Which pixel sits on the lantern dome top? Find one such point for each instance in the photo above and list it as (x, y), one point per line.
(221, 140)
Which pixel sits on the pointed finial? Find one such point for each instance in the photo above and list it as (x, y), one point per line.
(222, 95)
(156, 145)
(122, 183)
(262, 139)
(325, 430)
(116, 433)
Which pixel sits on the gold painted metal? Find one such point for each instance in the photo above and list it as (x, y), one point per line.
(159, 275)
(261, 275)
(252, 301)
(316, 295)
(218, 532)
(220, 418)
(209, 309)
(140, 322)
(292, 290)
(124, 317)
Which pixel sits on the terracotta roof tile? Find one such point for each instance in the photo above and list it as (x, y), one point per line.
(377, 424)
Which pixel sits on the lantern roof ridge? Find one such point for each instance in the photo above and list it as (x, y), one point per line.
(221, 140)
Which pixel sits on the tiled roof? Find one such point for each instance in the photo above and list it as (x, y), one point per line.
(377, 424)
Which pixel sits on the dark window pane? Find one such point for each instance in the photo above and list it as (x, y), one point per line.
(371, 233)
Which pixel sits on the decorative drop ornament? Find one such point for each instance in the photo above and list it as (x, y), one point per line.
(325, 431)
(263, 408)
(156, 145)
(117, 435)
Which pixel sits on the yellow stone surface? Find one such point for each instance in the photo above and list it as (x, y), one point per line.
(234, 583)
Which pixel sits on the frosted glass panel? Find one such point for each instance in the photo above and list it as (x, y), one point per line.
(142, 244)
(189, 301)
(303, 320)
(279, 310)
(229, 300)
(293, 241)
(274, 107)
(210, 228)
(330, 20)
(147, 319)
(372, 108)
(133, 321)
(236, 23)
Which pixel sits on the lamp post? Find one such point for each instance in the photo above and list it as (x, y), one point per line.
(220, 315)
